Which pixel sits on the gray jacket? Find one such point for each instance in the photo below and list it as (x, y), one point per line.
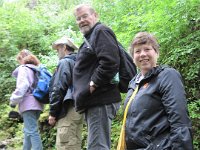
(158, 117)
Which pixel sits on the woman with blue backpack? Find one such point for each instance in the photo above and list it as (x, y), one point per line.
(29, 107)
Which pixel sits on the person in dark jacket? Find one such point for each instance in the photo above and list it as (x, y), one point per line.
(96, 65)
(157, 118)
(69, 122)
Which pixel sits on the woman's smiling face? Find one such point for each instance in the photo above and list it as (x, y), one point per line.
(145, 57)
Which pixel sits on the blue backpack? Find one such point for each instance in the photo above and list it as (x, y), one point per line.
(41, 86)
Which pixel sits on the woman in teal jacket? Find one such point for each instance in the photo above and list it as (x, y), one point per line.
(157, 118)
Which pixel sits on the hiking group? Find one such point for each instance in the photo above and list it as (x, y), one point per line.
(86, 87)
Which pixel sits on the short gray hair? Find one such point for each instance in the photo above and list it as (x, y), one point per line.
(80, 6)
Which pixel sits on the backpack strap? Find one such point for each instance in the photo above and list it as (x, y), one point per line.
(121, 143)
(35, 77)
(88, 44)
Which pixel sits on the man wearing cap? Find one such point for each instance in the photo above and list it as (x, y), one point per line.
(69, 122)
(96, 65)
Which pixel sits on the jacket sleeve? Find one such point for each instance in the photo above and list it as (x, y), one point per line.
(60, 83)
(22, 86)
(108, 57)
(175, 104)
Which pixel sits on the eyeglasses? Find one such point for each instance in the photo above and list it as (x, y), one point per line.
(83, 17)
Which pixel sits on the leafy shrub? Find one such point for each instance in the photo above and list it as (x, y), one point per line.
(176, 24)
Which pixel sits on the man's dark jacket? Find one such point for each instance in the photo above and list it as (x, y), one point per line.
(61, 87)
(99, 65)
(157, 117)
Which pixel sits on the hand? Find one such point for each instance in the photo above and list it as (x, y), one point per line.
(92, 89)
(12, 105)
(52, 120)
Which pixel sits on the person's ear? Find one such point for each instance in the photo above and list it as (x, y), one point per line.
(158, 54)
(96, 15)
(65, 47)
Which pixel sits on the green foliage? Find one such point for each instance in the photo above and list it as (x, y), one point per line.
(11, 130)
(84, 137)
(195, 116)
(48, 136)
(25, 24)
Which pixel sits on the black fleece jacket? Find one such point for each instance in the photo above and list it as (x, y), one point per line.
(99, 65)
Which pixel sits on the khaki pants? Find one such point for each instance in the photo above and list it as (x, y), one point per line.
(69, 131)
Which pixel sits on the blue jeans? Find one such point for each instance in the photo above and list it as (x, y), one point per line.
(99, 121)
(31, 135)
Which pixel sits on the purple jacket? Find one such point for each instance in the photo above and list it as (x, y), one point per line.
(22, 94)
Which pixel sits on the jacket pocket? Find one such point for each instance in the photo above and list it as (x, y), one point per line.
(84, 94)
(86, 51)
(67, 135)
(163, 144)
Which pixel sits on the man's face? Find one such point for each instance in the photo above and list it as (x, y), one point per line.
(85, 19)
(61, 50)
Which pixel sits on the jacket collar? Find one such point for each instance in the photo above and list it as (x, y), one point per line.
(89, 33)
(138, 79)
(16, 71)
(71, 56)
(154, 71)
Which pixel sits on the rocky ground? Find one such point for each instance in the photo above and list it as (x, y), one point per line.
(5, 144)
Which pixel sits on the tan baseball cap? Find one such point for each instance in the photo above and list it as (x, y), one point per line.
(66, 41)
